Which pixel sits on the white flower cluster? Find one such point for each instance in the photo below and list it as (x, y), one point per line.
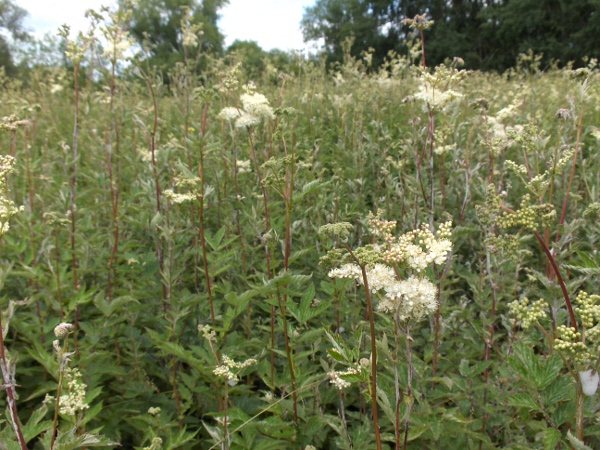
(208, 333)
(154, 410)
(188, 190)
(255, 107)
(411, 298)
(178, 198)
(12, 123)
(244, 166)
(7, 206)
(224, 370)
(419, 248)
(434, 98)
(351, 271)
(336, 378)
(436, 88)
(74, 400)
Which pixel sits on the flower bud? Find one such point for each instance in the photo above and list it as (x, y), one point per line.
(62, 330)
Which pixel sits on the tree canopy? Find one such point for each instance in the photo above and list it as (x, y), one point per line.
(11, 21)
(157, 25)
(487, 34)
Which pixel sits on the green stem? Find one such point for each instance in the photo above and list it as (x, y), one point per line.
(373, 349)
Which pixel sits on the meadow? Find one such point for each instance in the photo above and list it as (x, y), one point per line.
(326, 258)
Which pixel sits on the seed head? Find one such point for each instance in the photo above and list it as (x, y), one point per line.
(62, 330)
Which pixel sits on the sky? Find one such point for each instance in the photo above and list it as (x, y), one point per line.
(271, 23)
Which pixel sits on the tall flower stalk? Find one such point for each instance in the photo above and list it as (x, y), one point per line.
(395, 271)
(7, 211)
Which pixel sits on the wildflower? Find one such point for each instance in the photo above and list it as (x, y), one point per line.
(228, 113)
(178, 198)
(74, 400)
(410, 299)
(527, 315)
(337, 381)
(255, 108)
(351, 271)
(62, 330)
(225, 369)
(208, 333)
(12, 123)
(243, 166)
(257, 105)
(154, 410)
(7, 206)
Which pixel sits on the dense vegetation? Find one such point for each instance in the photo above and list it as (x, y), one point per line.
(400, 257)
(487, 34)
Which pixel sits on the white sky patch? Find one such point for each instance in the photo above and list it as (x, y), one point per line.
(46, 16)
(271, 23)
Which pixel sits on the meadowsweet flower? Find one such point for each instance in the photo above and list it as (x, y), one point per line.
(351, 271)
(74, 400)
(246, 120)
(244, 166)
(436, 99)
(410, 299)
(527, 314)
(257, 105)
(225, 369)
(379, 277)
(62, 330)
(12, 123)
(337, 377)
(7, 206)
(337, 380)
(178, 198)
(154, 410)
(208, 333)
(419, 248)
(254, 108)
(228, 113)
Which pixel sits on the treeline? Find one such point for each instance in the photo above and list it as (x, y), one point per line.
(487, 34)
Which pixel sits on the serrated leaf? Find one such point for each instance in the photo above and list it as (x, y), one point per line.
(523, 401)
(551, 438)
(576, 443)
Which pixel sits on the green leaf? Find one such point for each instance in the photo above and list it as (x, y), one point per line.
(524, 401)
(560, 390)
(35, 426)
(576, 443)
(551, 438)
(70, 440)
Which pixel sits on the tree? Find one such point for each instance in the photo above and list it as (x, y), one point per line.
(373, 24)
(487, 34)
(11, 21)
(251, 55)
(563, 30)
(157, 24)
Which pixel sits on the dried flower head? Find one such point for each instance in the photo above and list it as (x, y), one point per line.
(62, 330)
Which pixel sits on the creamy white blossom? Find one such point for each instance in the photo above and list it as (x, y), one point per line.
(74, 399)
(351, 271)
(410, 299)
(254, 108)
